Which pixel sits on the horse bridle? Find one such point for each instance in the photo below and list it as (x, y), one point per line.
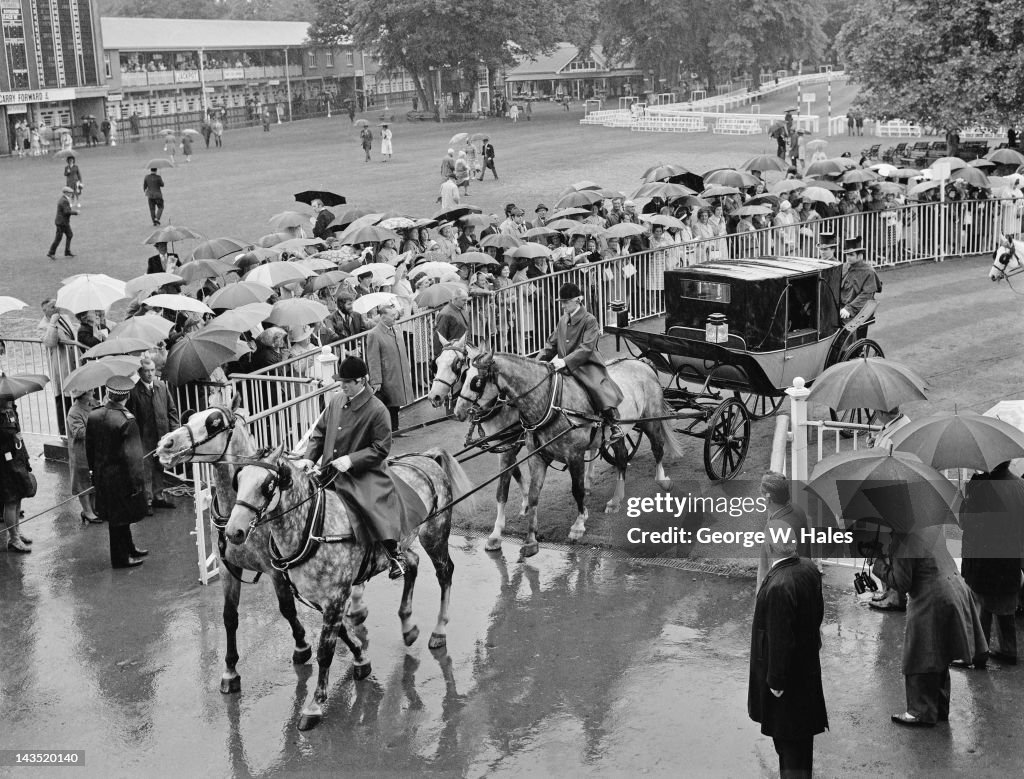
(279, 478)
(230, 417)
(456, 371)
(486, 370)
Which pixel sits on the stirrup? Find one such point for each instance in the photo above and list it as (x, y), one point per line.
(615, 433)
(396, 567)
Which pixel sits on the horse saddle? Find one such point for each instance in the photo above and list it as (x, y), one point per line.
(382, 513)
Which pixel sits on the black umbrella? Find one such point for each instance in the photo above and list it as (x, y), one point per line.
(14, 387)
(455, 213)
(329, 199)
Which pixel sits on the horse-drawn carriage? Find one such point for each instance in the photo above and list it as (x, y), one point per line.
(746, 327)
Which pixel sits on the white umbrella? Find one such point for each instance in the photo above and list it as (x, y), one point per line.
(367, 303)
(149, 282)
(275, 273)
(90, 293)
(317, 263)
(178, 303)
(434, 269)
(247, 317)
(382, 272)
(149, 327)
(10, 304)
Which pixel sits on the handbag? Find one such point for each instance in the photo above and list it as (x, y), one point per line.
(25, 483)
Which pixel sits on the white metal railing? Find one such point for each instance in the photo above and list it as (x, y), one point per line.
(897, 128)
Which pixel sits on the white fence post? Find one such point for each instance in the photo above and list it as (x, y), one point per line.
(798, 411)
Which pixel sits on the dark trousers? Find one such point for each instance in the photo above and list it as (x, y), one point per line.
(393, 411)
(796, 757)
(928, 695)
(154, 478)
(156, 208)
(488, 164)
(60, 403)
(1006, 627)
(61, 232)
(121, 544)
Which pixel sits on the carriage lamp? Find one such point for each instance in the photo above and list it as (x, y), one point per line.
(324, 366)
(618, 313)
(716, 330)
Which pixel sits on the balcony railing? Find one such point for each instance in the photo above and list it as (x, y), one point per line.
(210, 75)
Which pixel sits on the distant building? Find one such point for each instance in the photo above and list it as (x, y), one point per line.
(50, 53)
(567, 71)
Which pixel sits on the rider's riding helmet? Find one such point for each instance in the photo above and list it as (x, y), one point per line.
(351, 368)
(569, 291)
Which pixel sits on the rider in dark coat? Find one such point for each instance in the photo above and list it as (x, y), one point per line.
(574, 346)
(860, 282)
(114, 451)
(354, 437)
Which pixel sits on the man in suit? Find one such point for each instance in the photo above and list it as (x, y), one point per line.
(63, 223)
(775, 489)
(784, 693)
(488, 155)
(542, 215)
(860, 282)
(352, 441)
(573, 347)
(453, 321)
(343, 322)
(388, 361)
(324, 217)
(114, 453)
(153, 406)
(153, 186)
(162, 261)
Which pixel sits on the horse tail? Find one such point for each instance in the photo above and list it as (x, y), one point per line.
(458, 481)
(672, 444)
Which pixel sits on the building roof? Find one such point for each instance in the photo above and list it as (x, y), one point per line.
(554, 65)
(135, 34)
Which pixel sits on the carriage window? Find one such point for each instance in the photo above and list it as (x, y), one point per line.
(802, 313)
(713, 291)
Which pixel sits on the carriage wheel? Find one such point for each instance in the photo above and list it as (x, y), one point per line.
(727, 440)
(859, 416)
(631, 440)
(759, 406)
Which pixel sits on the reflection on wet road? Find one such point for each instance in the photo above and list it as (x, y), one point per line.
(572, 664)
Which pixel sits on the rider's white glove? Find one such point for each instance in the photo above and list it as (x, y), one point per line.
(845, 313)
(558, 363)
(342, 463)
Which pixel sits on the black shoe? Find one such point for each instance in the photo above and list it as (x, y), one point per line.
(139, 552)
(50, 257)
(132, 562)
(68, 254)
(910, 721)
(28, 542)
(162, 503)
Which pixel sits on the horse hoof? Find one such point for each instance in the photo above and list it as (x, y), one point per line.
(410, 637)
(529, 550)
(438, 641)
(232, 685)
(361, 671)
(664, 483)
(309, 721)
(359, 617)
(493, 545)
(611, 508)
(302, 656)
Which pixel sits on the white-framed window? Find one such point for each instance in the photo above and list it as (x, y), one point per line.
(311, 59)
(329, 59)
(351, 58)
(106, 64)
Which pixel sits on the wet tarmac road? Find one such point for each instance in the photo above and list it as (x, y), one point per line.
(574, 664)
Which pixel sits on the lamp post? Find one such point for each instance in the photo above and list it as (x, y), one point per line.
(202, 83)
(288, 83)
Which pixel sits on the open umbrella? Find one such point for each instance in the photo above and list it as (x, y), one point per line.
(296, 312)
(288, 219)
(167, 131)
(452, 214)
(963, 439)
(751, 211)
(63, 154)
(159, 163)
(500, 241)
(399, 222)
(663, 189)
(477, 220)
(474, 258)
(148, 282)
(215, 248)
(330, 278)
(896, 490)
(95, 373)
(458, 139)
(765, 199)
(955, 163)
(434, 270)
(924, 186)
(982, 163)
(170, 234)
(90, 292)
(14, 387)
(274, 274)
(887, 187)
(437, 295)
(370, 234)
(785, 186)
(272, 239)
(247, 317)
(8, 303)
(479, 137)
(317, 264)
(1005, 156)
(190, 131)
(727, 177)
(197, 270)
(884, 169)
(239, 294)
(539, 232)
(868, 382)
(831, 167)
(581, 199)
(349, 215)
(198, 354)
(328, 198)
(717, 190)
(123, 345)
(583, 228)
(298, 245)
(831, 186)
(818, 195)
(972, 176)
(662, 172)
(764, 162)
(662, 219)
(858, 176)
(150, 328)
(530, 251)
(566, 213)
(382, 272)
(563, 224)
(816, 144)
(179, 303)
(367, 303)
(361, 123)
(625, 230)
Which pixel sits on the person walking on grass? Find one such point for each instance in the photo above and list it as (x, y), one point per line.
(385, 142)
(153, 187)
(63, 223)
(366, 140)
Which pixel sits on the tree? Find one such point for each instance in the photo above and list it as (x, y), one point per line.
(424, 36)
(714, 39)
(937, 62)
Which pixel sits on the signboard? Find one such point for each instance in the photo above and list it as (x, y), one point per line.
(17, 108)
(810, 97)
(360, 73)
(115, 97)
(208, 89)
(274, 82)
(36, 96)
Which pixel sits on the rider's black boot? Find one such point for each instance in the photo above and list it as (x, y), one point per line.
(396, 562)
(611, 419)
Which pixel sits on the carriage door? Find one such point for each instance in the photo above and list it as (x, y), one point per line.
(802, 353)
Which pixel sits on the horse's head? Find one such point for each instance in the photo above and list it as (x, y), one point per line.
(259, 487)
(1006, 260)
(479, 386)
(451, 362)
(204, 436)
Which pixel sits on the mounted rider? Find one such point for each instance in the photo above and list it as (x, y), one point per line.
(860, 283)
(353, 436)
(573, 347)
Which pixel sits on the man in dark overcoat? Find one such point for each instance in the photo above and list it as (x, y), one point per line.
(785, 693)
(153, 187)
(388, 361)
(62, 221)
(860, 282)
(353, 437)
(156, 415)
(573, 347)
(113, 450)
(324, 216)
(163, 261)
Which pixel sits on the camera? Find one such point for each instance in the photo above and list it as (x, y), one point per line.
(862, 582)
